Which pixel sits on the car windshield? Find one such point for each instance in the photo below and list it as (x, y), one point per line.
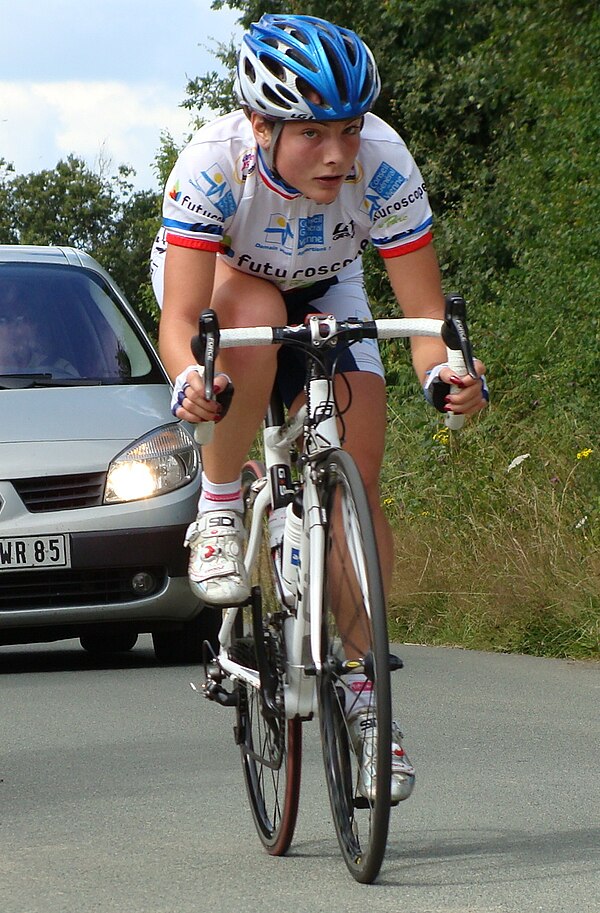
(64, 324)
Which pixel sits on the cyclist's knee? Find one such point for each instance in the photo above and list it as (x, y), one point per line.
(242, 300)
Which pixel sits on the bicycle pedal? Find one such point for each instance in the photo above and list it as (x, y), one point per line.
(213, 691)
(395, 663)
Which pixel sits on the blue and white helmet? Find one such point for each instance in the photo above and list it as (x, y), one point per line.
(303, 68)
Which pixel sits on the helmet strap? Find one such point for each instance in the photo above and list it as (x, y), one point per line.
(269, 154)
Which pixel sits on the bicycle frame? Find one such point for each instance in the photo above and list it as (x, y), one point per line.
(317, 423)
(299, 689)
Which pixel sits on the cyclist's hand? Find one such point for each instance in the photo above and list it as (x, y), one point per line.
(461, 395)
(188, 401)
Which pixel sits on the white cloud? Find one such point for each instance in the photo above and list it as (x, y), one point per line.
(101, 80)
(114, 122)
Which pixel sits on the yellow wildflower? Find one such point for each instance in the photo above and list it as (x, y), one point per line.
(584, 454)
(442, 436)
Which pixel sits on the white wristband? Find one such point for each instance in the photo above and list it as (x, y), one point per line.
(432, 377)
(180, 384)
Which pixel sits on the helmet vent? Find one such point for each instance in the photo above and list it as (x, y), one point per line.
(351, 50)
(275, 99)
(338, 74)
(307, 91)
(297, 35)
(249, 70)
(273, 66)
(283, 90)
(302, 59)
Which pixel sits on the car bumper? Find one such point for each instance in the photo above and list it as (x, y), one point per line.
(136, 576)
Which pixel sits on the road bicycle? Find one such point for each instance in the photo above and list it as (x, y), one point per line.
(317, 614)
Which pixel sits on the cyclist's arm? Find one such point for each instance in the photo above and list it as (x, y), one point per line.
(189, 280)
(416, 283)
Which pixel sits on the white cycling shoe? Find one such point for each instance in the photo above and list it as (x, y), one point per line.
(216, 568)
(362, 728)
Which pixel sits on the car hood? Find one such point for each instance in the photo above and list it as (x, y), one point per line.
(75, 429)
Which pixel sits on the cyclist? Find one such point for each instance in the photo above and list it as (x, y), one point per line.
(266, 215)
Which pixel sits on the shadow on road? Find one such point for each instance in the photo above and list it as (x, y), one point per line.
(72, 658)
(495, 856)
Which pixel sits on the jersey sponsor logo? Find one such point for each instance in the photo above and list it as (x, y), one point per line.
(279, 232)
(384, 184)
(394, 219)
(397, 206)
(311, 231)
(356, 174)
(245, 165)
(303, 234)
(213, 185)
(386, 181)
(302, 275)
(343, 230)
(193, 206)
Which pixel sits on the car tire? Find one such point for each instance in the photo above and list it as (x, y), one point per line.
(115, 642)
(186, 644)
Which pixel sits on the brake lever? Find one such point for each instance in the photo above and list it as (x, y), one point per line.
(455, 332)
(205, 347)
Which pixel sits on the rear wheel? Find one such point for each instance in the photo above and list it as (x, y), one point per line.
(354, 639)
(270, 744)
(271, 750)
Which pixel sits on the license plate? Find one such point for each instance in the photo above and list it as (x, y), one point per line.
(32, 552)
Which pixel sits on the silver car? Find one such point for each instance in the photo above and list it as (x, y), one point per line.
(98, 481)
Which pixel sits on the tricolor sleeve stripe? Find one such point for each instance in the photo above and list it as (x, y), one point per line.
(406, 248)
(201, 228)
(405, 241)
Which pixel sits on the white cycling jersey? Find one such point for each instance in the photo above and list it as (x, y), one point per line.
(222, 197)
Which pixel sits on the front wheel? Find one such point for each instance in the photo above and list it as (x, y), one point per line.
(354, 682)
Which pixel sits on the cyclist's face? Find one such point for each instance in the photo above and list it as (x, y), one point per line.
(316, 157)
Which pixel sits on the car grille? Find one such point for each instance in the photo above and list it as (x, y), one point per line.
(104, 586)
(61, 492)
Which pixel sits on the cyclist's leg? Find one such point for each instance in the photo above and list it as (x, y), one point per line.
(216, 568)
(364, 432)
(365, 423)
(241, 300)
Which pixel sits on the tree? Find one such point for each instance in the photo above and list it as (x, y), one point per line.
(73, 206)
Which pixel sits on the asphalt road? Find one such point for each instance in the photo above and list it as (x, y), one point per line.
(120, 790)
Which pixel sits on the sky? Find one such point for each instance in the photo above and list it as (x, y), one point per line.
(101, 79)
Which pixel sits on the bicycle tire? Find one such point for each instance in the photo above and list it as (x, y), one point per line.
(352, 568)
(270, 744)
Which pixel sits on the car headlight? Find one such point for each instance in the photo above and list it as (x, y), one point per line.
(158, 463)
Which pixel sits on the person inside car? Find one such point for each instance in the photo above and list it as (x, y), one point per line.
(24, 344)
